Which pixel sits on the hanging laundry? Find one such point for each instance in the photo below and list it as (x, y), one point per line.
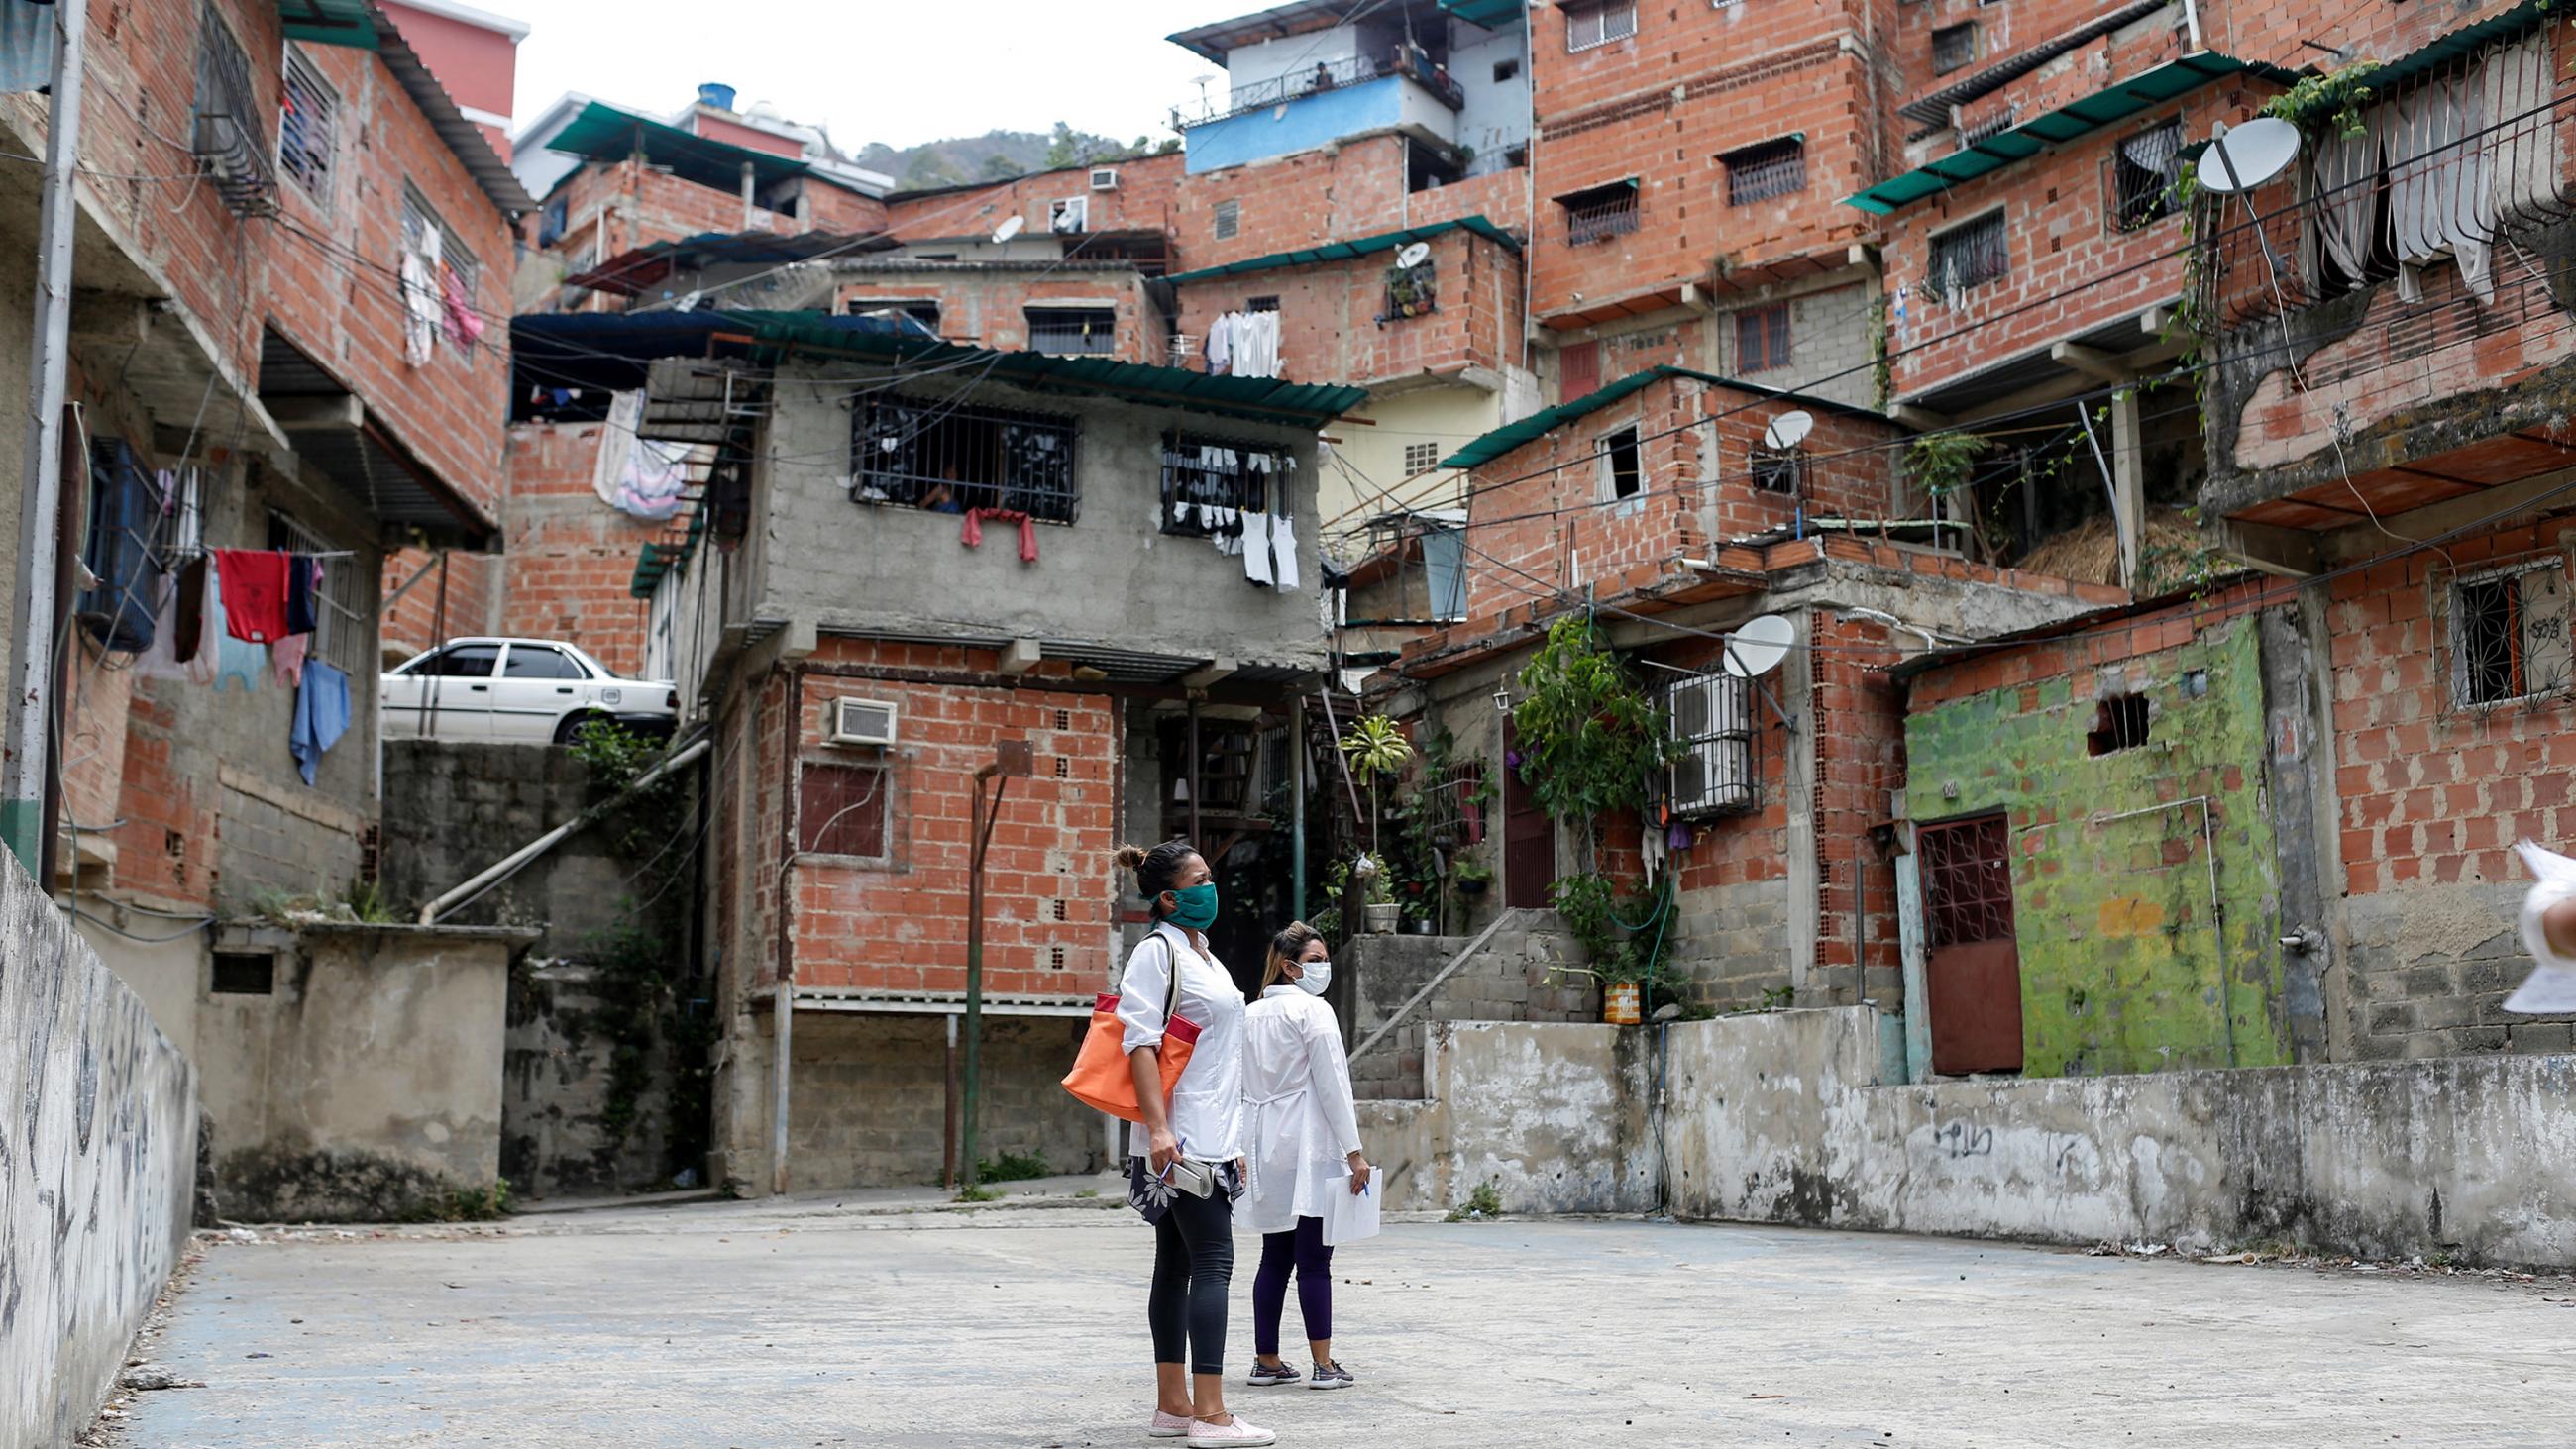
(161, 660)
(223, 656)
(464, 324)
(199, 620)
(616, 444)
(286, 657)
(655, 478)
(321, 715)
(1283, 551)
(972, 534)
(1220, 344)
(1256, 547)
(420, 304)
(254, 592)
(303, 584)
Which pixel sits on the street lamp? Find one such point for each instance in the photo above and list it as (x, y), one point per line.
(1011, 760)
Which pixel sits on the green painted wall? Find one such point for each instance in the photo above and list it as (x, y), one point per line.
(2120, 970)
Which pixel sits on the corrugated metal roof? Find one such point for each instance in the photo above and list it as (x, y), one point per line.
(631, 271)
(1299, 17)
(2458, 43)
(1490, 14)
(602, 132)
(366, 461)
(1539, 424)
(461, 136)
(330, 22)
(1933, 108)
(1385, 241)
(2020, 143)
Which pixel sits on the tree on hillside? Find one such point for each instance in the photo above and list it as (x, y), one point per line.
(998, 167)
(1065, 149)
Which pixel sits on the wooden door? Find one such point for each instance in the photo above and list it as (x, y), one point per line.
(1529, 838)
(1973, 972)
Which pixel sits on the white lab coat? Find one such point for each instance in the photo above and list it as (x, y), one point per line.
(1207, 1102)
(1299, 1115)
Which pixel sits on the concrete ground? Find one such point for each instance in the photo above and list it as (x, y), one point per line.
(800, 1322)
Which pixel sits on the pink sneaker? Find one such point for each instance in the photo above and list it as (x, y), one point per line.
(1234, 1431)
(1168, 1426)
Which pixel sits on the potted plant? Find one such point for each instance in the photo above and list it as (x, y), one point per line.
(1473, 877)
(1375, 749)
(1380, 914)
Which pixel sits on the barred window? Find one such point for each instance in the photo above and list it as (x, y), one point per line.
(450, 266)
(1759, 173)
(2509, 634)
(308, 117)
(841, 809)
(343, 610)
(229, 133)
(1229, 220)
(1968, 255)
(2145, 175)
(1954, 46)
(1600, 213)
(934, 454)
(1762, 338)
(1073, 331)
(1207, 480)
(1779, 470)
(1598, 22)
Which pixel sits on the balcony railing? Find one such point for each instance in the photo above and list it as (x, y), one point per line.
(1603, 216)
(1406, 61)
(2454, 170)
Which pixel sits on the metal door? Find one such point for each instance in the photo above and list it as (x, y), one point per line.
(1973, 974)
(1529, 837)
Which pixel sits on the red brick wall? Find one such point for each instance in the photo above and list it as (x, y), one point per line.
(571, 562)
(988, 309)
(1333, 326)
(1328, 195)
(2379, 30)
(902, 927)
(634, 206)
(1746, 74)
(750, 138)
(421, 618)
(1537, 512)
(2433, 794)
(1859, 715)
(1142, 201)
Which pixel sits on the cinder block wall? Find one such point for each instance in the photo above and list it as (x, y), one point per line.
(1517, 976)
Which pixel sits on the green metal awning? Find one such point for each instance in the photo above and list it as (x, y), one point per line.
(1539, 424)
(330, 22)
(604, 133)
(1255, 399)
(2456, 44)
(1385, 241)
(2093, 112)
(1490, 14)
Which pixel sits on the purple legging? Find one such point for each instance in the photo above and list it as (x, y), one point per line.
(1314, 1262)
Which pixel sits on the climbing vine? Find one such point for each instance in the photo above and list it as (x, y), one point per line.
(2317, 104)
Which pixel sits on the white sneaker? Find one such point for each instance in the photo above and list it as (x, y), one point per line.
(1168, 1426)
(1234, 1431)
(1331, 1376)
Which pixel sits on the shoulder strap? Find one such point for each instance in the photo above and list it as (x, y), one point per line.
(1171, 959)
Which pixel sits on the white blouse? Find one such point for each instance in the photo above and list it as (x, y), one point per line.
(1297, 1095)
(1207, 1102)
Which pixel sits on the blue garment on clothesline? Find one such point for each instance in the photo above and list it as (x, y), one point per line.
(321, 714)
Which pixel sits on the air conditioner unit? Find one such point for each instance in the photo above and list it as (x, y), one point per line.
(1712, 718)
(1073, 214)
(863, 722)
(1104, 178)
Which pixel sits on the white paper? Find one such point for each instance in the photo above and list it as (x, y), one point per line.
(2551, 989)
(1349, 1218)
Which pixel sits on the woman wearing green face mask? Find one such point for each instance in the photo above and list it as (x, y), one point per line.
(1186, 1170)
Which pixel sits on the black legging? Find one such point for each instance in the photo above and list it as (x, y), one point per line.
(1304, 1247)
(1193, 1267)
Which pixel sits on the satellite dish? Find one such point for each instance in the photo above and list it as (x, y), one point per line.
(1788, 430)
(1414, 254)
(1009, 228)
(1758, 647)
(2250, 155)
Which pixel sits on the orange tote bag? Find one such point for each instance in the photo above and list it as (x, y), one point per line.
(1100, 1077)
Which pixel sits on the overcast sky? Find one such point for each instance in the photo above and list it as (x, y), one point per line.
(878, 71)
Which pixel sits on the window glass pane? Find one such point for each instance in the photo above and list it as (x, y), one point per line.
(465, 661)
(530, 661)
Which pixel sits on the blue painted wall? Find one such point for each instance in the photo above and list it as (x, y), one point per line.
(1305, 123)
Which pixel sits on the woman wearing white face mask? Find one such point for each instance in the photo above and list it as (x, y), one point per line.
(1305, 1146)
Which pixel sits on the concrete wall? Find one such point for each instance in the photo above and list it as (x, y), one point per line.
(560, 1092)
(97, 1161)
(1515, 978)
(367, 1080)
(1552, 1115)
(1775, 1118)
(1112, 577)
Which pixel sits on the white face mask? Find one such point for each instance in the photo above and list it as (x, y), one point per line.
(1319, 974)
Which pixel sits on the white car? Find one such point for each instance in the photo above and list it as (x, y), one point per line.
(536, 691)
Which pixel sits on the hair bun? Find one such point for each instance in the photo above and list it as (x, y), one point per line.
(1129, 857)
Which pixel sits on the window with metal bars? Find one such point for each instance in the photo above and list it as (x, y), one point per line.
(308, 115)
(1073, 331)
(925, 313)
(1268, 302)
(1601, 212)
(2509, 634)
(1954, 46)
(1598, 22)
(2146, 174)
(1759, 173)
(1714, 765)
(1967, 880)
(1968, 255)
(1205, 477)
(1229, 220)
(229, 132)
(450, 265)
(1420, 458)
(2119, 723)
(842, 810)
(1779, 470)
(1762, 338)
(946, 457)
(343, 611)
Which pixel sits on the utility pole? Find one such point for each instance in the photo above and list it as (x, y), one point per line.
(23, 771)
(1011, 760)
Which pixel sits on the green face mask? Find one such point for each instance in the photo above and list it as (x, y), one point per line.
(1194, 907)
